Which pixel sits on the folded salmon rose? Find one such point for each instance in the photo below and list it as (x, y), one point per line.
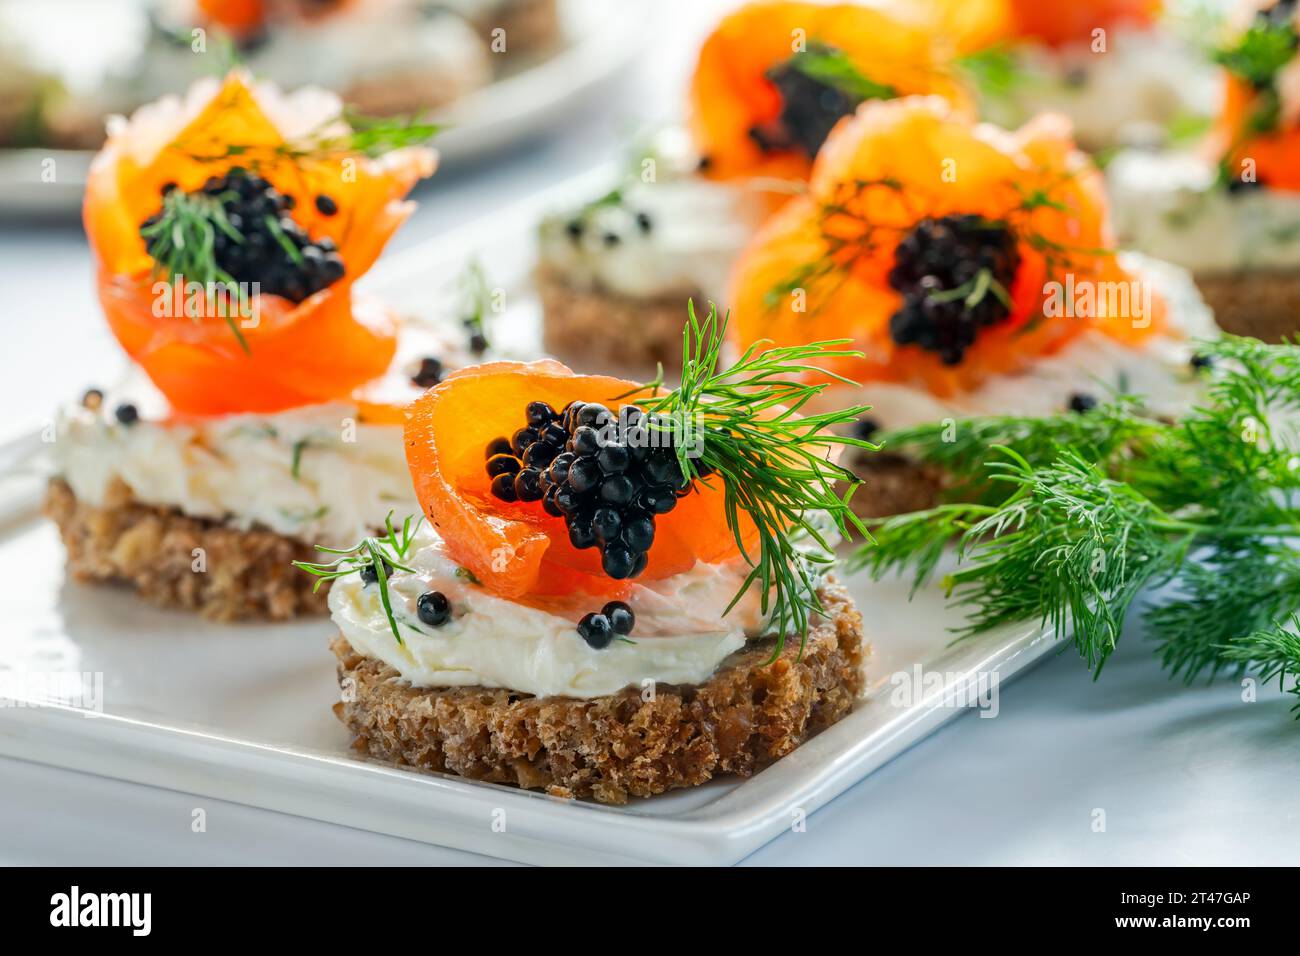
(1227, 209)
(264, 406)
(1124, 71)
(975, 270)
(581, 545)
(771, 80)
(295, 346)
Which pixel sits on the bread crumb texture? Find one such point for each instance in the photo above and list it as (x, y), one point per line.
(176, 561)
(629, 744)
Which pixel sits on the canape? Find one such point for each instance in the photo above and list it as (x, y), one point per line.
(1231, 212)
(975, 270)
(1123, 71)
(384, 57)
(770, 82)
(227, 230)
(510, 28)
(583, 608)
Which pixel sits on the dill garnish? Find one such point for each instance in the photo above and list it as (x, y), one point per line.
(831, 67)
(182, 242)
(382, 554)
(346, 133)
(849, 238)
(747, 426)
(1066, 519)
(477, 296)
(1260, 53)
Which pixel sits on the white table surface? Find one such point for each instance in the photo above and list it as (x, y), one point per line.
(1183, 775)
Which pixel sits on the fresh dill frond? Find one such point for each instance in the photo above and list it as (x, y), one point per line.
(848, 237)
(376, 135)
(382, 553)
(345, 133)
(1274, 652)
(831, 67)
(748, 426)
(995, 71)
(295, 464)
(477, 303)
(1067, 518)
(1260, 53)
(182, 243)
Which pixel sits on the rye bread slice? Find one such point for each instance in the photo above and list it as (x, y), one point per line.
(748, 714)
(594, 331)
(243, 573)
(1264, 304)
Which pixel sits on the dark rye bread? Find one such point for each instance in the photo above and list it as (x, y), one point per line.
(1264, 304)
(595, 331)
(748, 714)
(894, 484)
(529, 26)
(246, 574)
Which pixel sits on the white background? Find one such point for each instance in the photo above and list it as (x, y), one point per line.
(1183, 775)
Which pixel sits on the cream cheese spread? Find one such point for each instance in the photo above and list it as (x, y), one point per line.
(313, 473)
(681, 633)
(1170, 206)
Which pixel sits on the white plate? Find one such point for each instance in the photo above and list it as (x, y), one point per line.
(599, 39)
(243, 712)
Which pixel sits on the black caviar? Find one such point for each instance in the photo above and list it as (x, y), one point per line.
(429, 373)
(865, 427)
(937, 268)
(1082, 402)
(596, 630)
(599, 628)
(433, 608)
(607, 477)
(369, 575)
(810, 108)
(272, 249)
(621, 617)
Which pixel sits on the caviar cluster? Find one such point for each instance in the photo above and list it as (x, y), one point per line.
(946, 255)
(809, 109)
(272, 249)
(606, 476)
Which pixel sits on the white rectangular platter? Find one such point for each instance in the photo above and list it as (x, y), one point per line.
(243, 713)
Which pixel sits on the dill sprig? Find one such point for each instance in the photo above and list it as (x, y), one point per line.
(747, 427)
(346, 133)
(1257, 56)
(477, 302)
(1260, 52)
(383, 553)
(183, 243)
(996, 72)
(849, 237)
(1066, 519)
(1273, 652)
(831, 67)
